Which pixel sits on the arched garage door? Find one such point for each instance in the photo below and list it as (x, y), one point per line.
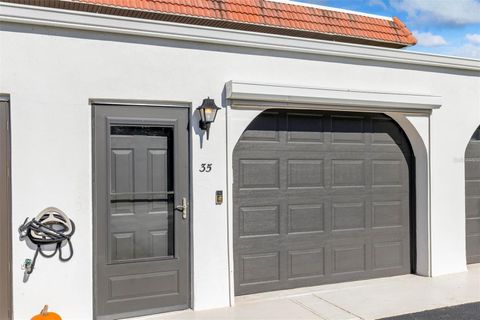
(472, 197)
(320, 197)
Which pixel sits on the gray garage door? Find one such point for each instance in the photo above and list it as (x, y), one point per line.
(472, 198)
(320, 197)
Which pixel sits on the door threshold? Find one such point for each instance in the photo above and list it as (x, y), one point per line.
(160, 314)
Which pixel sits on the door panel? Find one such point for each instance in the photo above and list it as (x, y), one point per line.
(472, 198)
(141, 240)
(139, 191)
(320, 197)
(5, 215)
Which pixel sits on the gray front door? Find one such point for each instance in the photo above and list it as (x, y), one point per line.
(141, 210)
(5, 222)
(320, 197)
(472, 198)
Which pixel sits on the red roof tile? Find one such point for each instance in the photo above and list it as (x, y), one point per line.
(257, 15)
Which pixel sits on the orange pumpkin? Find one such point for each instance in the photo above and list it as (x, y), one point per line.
(45, 315)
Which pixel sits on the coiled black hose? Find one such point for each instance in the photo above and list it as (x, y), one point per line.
(46, 235)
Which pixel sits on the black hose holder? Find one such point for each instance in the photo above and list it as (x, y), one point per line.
(50, 230)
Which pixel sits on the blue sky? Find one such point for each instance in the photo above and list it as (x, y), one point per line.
(447, 27)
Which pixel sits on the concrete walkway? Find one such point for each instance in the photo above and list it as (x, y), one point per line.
(370, 299)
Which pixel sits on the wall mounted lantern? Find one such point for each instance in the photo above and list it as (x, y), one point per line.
(208, 112)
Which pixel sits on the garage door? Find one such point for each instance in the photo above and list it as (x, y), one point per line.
(472, 198)
(320, 197)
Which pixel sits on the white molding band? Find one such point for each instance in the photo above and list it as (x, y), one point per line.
(264, 95)
(58, 18)
(140, 102)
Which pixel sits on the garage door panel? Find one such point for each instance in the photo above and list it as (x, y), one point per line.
(259, 173)
(298, 241)
(284, 146)
(391, 183)
(390, 194)
(292, 193)
(345, 214)
(308, 263)
(337, 210)
(265, 129)
(389, 189)
(348, 130)
(473, 167)
(473, 226)
(472, 198)
(378, 150)
(305, 128)
(348, 173)
(259, 267)
(350, 258)
(472, 188)
(306, 218)
(472, 205)
(473, 248)
(305, 173)
(305, 192)
(349, 216)
(389, 255)
(260, 220)
(387, 173)
(381, 163)
(259, 244)
(473, 150)
(388, 214)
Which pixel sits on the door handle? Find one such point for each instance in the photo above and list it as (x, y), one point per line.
(183, 208)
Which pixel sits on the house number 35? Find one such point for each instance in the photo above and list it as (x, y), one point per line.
(205, 167)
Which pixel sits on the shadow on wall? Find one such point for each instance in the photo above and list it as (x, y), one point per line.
(196, 118)
(196, 127)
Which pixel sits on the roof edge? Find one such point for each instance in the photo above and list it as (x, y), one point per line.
(68, 19)
(147, 14)
(312, 5)
(411, 38)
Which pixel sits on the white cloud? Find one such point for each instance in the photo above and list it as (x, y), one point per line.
(473, 38)
(442, 11)
(468, 51)
(427, 39)
(378, 3)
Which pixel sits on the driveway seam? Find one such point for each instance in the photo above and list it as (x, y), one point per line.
(307, 308)
(337, 306)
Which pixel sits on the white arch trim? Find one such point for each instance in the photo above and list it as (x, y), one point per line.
(410, 111)
(417, 130)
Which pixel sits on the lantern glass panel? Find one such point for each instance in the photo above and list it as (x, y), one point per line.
(202, 114)
(210, 114)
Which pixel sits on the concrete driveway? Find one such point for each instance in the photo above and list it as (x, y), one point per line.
(369, 299)
(469, 311)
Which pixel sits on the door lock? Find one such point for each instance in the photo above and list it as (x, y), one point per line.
(183, 208)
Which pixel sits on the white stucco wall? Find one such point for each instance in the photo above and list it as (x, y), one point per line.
(450, 132)
(51, 73)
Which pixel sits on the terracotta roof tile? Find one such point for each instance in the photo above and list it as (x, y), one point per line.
(256, 15)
